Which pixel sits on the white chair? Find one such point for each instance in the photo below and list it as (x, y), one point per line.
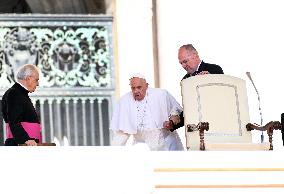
(216, 114)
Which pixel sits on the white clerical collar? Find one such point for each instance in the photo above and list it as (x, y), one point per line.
(22, 85)
(196, 68)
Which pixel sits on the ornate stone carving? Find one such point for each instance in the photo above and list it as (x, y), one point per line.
(68, 55)
(74, 54)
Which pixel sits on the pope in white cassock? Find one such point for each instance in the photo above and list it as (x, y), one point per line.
(143, 113)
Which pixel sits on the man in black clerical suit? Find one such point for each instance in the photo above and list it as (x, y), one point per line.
(189, 59)
(22, 122)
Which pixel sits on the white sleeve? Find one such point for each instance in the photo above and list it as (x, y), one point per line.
(119, 138)
(174, 107)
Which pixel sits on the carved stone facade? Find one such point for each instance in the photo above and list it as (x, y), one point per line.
(75, 57)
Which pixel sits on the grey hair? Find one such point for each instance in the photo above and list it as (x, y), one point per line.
(188, 47)
(26, 71)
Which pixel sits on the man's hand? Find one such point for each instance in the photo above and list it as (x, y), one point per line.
(31, 143)
(168, 125)
(175, 119)
(203, 73)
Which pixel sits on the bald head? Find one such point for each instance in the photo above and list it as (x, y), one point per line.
(188, 47)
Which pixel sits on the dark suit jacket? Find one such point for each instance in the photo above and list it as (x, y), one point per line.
(212, 69)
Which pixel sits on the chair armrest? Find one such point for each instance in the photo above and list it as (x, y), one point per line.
(269, 127)
(201, 127)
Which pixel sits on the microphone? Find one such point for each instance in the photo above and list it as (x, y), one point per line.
(259, 108)
(282, 127)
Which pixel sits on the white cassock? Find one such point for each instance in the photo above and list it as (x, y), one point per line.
(144, 120)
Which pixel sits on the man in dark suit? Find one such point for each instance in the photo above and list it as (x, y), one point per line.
(189, 59)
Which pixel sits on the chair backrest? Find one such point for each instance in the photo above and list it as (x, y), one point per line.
(220, 100)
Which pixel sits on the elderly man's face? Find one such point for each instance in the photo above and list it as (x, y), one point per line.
(138, 87)
(32, 81)
(188, 60)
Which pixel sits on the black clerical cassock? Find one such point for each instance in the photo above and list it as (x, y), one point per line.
(21, 120)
